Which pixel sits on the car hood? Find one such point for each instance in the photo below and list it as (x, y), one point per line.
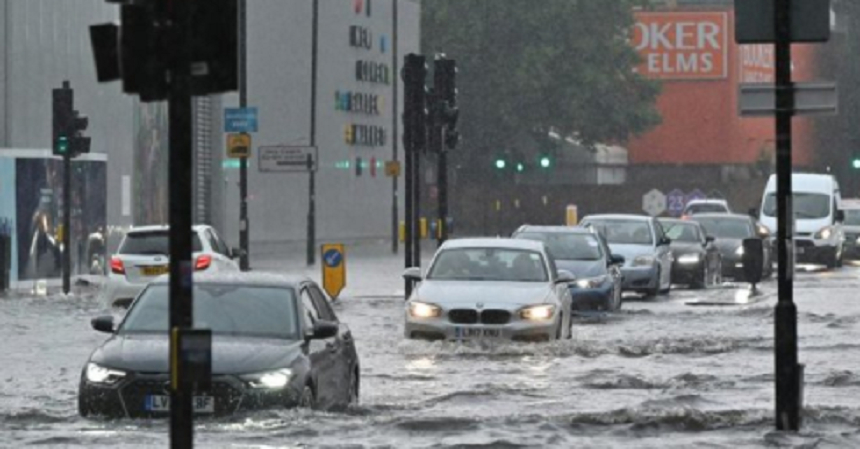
(630, 251)
(469, 293)
(230, 355)
(681, 248)
(583, 268)
(854, 229)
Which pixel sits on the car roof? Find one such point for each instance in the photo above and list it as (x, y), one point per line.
(555, 229)
(708, 201)
(254, 279)
(679, 221)
(618, 217)
(721, 215)
(507, 243)
(161, 227)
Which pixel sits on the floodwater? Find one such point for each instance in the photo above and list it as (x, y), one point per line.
(659, 374)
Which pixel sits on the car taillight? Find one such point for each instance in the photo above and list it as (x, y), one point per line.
(203, 262)
(116, 265)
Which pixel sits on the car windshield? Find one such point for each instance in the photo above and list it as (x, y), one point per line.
(567, 246)
(704, 208)
(682, 232)
(852, 217)
(806, 205)
(250, 311)
(489, 264)
(153, 242)
(635, 232)
(727, 228)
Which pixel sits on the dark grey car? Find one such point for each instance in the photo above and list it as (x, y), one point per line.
(276, 343)
(730, 230)
(697, 261)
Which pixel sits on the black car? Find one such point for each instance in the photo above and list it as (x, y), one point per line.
(276, 343)
(696, 259)
(585, 254)
(730, 231)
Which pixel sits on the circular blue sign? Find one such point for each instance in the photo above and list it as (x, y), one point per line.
(333, 258)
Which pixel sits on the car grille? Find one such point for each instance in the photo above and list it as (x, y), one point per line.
(227, 397)
(495, 317)
(463, 316)
(804, 243)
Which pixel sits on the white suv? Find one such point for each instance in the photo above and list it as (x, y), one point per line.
(144, 253)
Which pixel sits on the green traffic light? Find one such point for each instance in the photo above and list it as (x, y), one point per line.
(855, 163)
(500, 164)
(62, 145)
(545, 162)
(520, 167)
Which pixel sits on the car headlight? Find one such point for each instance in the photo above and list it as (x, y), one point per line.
(591, 282)
(98, 374)
(419, 309)
(271, 380)
(537, 313)
(824, 233)
(689, 258)
(857, 241)
(643, 261)
(740, 251)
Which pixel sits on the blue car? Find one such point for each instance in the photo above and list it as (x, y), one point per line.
(585, 254)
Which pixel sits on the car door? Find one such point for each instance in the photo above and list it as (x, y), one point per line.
(341, 349)
(319, 352)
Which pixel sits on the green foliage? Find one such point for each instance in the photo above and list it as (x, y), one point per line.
(526, 64)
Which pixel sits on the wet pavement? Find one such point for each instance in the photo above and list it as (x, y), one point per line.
(674, 372)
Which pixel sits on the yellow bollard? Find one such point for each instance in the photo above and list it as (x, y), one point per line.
(423, 228)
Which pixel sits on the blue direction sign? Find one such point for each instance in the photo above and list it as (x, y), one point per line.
(675, 202)
(333, 257)
(240, 120)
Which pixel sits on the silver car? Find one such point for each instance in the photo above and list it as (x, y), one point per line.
(489, 289)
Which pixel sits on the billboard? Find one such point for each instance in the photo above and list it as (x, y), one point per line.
(682, 45)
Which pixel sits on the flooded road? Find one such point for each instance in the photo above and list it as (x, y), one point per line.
(664, 373)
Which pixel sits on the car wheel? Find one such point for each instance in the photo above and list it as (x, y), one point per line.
(839, 258)
(308, 398)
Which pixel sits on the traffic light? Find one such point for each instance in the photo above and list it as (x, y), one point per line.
(68, 125)
(500, 163)
(520, 167)
(414, 75)
(855, 161)
(545, 161)
(445, 83)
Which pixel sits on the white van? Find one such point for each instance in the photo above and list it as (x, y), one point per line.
(817, 203)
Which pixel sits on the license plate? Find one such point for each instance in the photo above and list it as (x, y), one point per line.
(477, 332)
(161, 403)
(155, 270)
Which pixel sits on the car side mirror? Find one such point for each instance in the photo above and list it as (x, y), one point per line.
(103, 324)
(616, 259)
(665, 241)
(839, 216)
(565, 277)
(412, 274)
(323, 330)
(709, 239)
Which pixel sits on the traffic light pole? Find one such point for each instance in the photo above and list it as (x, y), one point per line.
(67, 220)
(788, 371)
(244, 259)
(180, 209)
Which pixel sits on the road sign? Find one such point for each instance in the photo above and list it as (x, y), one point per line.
(392, 169)
(240, 120)
(283, 158)
(238, 145)
(758, 100)
(694, 195)
(675, 202)
(654, 203)
(571, 216)
(333, 268)
(754, 24)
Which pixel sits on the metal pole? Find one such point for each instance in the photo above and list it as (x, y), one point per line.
(408, 172)
(394, 128)
(244, 244)
(788, 400)
(311, 237)
(67, 212)
(442, 181)
(311, 209)
(180, 201)
(416, 203)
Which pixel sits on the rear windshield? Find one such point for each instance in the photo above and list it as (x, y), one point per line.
(727, 228)
(621, 231)
(567, 246)
(153, 243)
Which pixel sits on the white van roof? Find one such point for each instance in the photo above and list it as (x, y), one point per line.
(800, 182)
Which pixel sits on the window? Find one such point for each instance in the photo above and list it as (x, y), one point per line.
(489, 264)
(621, 231)
(153, 243)
(805, 205)
(567, 246)
(322, 304)
(309, 314)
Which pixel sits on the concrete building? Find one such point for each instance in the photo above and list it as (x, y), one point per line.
(360, 42)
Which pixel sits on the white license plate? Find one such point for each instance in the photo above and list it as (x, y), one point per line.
(473, 332)
(161, 403)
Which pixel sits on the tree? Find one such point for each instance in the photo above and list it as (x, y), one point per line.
(526, 65)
